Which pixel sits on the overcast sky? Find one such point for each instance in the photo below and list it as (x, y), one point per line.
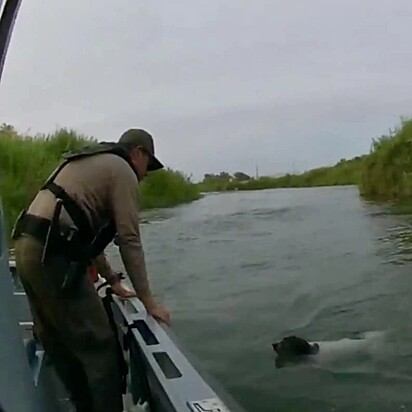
(221, 84)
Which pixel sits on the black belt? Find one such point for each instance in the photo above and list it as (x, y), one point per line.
(34, 226)
(37, 227)
(63, 239)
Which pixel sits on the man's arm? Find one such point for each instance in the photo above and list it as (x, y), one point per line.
(125, 208)
(104, 269)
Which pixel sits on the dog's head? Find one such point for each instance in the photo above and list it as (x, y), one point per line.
(292, 346)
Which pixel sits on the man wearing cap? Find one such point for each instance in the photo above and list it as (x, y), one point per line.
(88, 200)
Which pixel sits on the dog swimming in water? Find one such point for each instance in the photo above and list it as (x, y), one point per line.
(294, 350)
(295, 346)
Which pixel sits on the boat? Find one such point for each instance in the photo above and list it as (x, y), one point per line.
(161, 376)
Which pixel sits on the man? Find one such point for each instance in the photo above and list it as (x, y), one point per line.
(89, 199)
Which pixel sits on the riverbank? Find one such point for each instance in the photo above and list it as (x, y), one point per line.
(382, 175)
(26, 161)
(345, 172)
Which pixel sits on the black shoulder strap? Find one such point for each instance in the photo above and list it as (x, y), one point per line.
(77, 214)
(73, 209)
(53, 176)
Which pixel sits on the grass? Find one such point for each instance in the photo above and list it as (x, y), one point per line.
(26, 161)
(387, 171)
(166, 188)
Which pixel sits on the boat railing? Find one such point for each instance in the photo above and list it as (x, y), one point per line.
(170, 382)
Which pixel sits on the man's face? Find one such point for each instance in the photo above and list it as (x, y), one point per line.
(140, 159)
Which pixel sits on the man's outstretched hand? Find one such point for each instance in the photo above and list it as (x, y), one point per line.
(122, 292)
(159, 312)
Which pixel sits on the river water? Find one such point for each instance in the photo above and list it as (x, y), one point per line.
(241, 270)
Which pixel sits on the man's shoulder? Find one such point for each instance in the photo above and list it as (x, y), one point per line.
(107, 167)
(113, 162)
(118, 167)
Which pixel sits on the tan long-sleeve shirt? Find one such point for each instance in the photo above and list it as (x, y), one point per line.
(106, 187)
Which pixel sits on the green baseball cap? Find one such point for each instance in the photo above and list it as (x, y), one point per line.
(139, 137)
